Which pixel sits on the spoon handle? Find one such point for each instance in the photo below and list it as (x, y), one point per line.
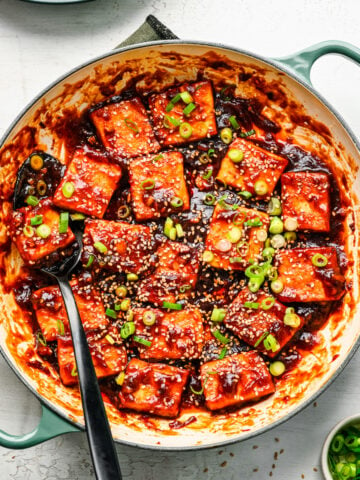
(102, 447)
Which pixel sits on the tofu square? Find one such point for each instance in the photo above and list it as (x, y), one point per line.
(120, 246)
(232, 240)
(305, 197)
(153, 388)
(51, 314)
(257, 165)
(174, 335)
(303, 281)
(108, 359)
(201, 119)
(94, 179)
(175, 275)
(156, 182)
(252, 325)
(125, 129)
(33, 247)
(235, 380)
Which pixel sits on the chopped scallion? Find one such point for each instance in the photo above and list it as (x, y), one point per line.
(172, 306)
(132, 125)
(63, 222)
(142, 341)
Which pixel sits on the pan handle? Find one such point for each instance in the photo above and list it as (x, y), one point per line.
(50, 426)
(302, 62)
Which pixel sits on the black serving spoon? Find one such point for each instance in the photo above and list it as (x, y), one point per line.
(101, 443)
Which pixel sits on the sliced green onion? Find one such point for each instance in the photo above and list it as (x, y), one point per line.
(149, 318)
(43, 231)
(129, 315)
(292, 320)
(41, 187)
(172, 306)
(111, 313)
(117, 307)
(208, 174)
(234, 235)
(148, 184)
(172, 234)
(239, 218)
(185, 130)
(254, 271)
(73, 372)
(123, 211)
(157, 158)
(319, 260)
(235, 155)
(337, 443)
(68, 189)
(184, 288)
(236, 259)
(226, 135)
(63, 222)
(169, 224)
(169, 107)
(274, 207)
(222, 353)
(142, 341)
(125, 304)
(242, 248)
(110, 339)
(120, 379)
(260, 339)
(291, 224)
(127, 329)
(247, 134)
(209, 199)
(176, 202)
(90, 261)
(208, 256)
(132, 125)
(60, 326)
(32, 201)
(168, 121)
(255, 284)
(252, 305)
(218, 315)
(176, 98)
(278, 241)
(121, 291)
(245, 194)
(272, 273)
(77, 216)
(270, 343)
(211, 152)
(219, 336)
(186, 97)
(276, 225)
(290, 237)
(277, 368)
(204, 158)
(261, 188)
(277, 286)
(234, 123)
(179, 231)
(268, 253)
(255, 222)
(132, 277)
(36, 162)
(100, 247)
(261, 235)
(28, 231)
(188, 109)
(267, 303)
(41, 339)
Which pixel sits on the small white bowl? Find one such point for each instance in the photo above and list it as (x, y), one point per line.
(354, 419)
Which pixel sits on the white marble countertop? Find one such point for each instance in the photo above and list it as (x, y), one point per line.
(40, 42)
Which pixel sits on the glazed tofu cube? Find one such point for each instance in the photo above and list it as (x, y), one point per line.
(108, 358)
(124, 128)
(120, 246)
(235, 380)
(38, 241)
(157, 185)
(51, 314)
(175, 275)
(94, 180)
(201, 119)
(247, 318)
(235, 237)
(257, 165)
(153, 388)
(305, 197)
(174, 335)
(305, 282)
